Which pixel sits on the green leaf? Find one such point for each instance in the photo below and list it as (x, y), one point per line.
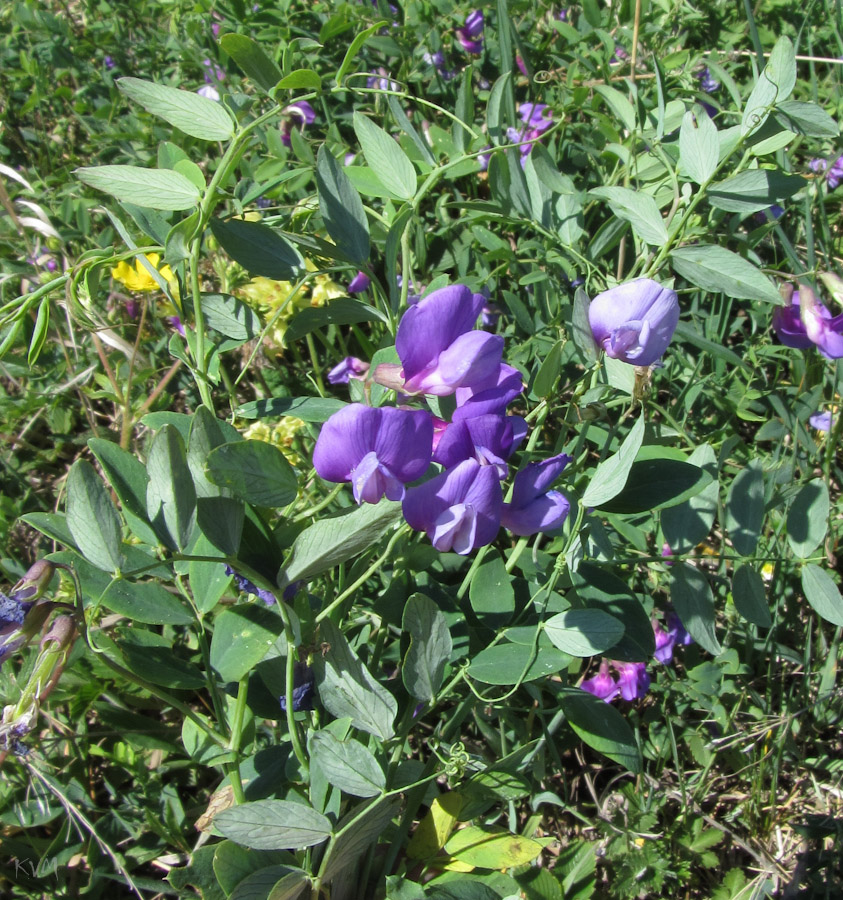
(637, 208)
(347, 765)
(242, 637)
(342, 311)
(491, 847)
(258, 248)
(581, 329)
(53, 525)
(346, 688)
(127, 476)
(208, 581)
(39, 331)
(385, 157)
(774, 85)
(151, 188)
(618, 103)
(254, 471)
(699, 148)
(601, 590)
(496, 122)
(602, 727)
(806, 118)
(430, 647)
(694, 602)
(354, 49)
(231, 317)
(356, 833)
(744, 514)
(491, 594)
(255, 64)
(583, 632)
(170, 495)
(92, 519)
(750, 597)
(301, 79)
(754, 190)
(272, 883)
(273, 825)
(148, 602)
(233, 863)
(548, 372)
(807, 521)
(464, 112)
(512, 663)
(716, 269)
(610, 476)
(656, 483)
(690, 522)
(197, 116)
(330, 541)
(308, 409)
(823, 594)
(151, 656)
(341, 208)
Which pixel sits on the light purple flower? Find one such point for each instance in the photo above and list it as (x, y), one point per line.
(213, 72)
(209, 92)
(109, 62)
(562, 15)
(176, 323)
(634, 322)
(350, 367)
(535, 117)
(835, 173)
(787, 321)
(301, 113)
(825, 330)
(460, 509)
(707, 83)
(822, 421)
(377, 450)
(437, 347)
(633, 680)
(664, 644)
(382, 81)
(534, 508)
(491, 395)
(818, 165)
(602, 685)
(359, 283)
(470, 35)
(490, 439)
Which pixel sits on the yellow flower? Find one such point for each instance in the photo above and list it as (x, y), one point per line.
(138, 279)
(280, 435)
(325, 290)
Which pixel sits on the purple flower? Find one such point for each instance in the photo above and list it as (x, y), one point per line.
(359, 283)
(634, 322)
(822, 421)
(664, 644)
(562, 15)
(601, 685)
(382, 81)
(304, 686)
(825, 330)
(213, 73)
(787, 321)
(677, 631)
(176, 323)
(633, 680)
(109, 62)
(818, 165)
(491, 395)
(438, 349)
(490, 439)
(470, 35)
(835, 173)
(249, 587)
(535, 117)
(132, 308)
(768, 215)
(460, 509)
(490, 315)
(533, 507)
(377, 450)
(209, 92)
(301, 113)
(707, 83)
(350, 367)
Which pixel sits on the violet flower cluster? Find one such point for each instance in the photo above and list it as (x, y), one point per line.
(633, 680)
(805, 322)
(833, 171)
(381, 451)
(300, 113)
(470, 35)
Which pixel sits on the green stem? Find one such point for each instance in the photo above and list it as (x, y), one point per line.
(234, 744)
(292, 726)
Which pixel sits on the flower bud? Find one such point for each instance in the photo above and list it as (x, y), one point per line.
(33, 584)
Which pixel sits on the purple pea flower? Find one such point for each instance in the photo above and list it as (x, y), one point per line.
(213, 72)
(536, 117)
(634, 322)
(109, 62)
(460, 509)
(176, 324)
(209, 92)
(835, 173)
(602, 685)
(677, 631)
(249, 587)
(664, 644)
(377, 450)
(490, 439)
(350, 367)
(822, 421)
(633, 680)
(470, 35)
(769, 215)
(492, 395)
(382, 81)
(562, 15)
(438, 349)
(533, 507)
(301, 113)
(707, 83)
(818, 165)
(825, 330)
(359, 283)
(304, 686)
(787, 321)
